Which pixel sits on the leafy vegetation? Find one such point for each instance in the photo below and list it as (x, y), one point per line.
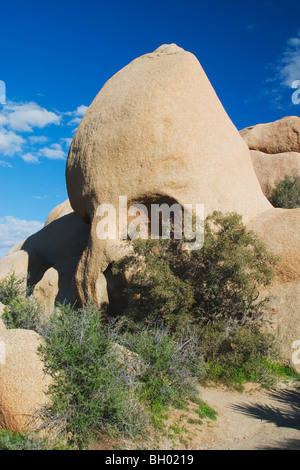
(286, 193)
(219, 282)
(22, 311)
(189, 317)
(28, 441)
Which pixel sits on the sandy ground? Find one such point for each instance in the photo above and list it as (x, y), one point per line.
(253, 419)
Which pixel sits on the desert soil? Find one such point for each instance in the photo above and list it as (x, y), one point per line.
(255, 419)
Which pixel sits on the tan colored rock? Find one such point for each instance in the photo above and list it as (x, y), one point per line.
(2, 324)
(2, 307)
(280, 231)
(15, 248)
(272, 168)
(56, 285)
(284, 311)
(61, 240)
(48, 258)
(279, 136)
(59, 211)
(15, 263)
(156, 132)
(23, 382)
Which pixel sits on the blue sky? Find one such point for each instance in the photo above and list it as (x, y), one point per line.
(56, 56)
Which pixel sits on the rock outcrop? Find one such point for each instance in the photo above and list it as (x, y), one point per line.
(279, 136)
(2, 324)
(275, 150)
(23, 382)
(279, 229)
(47, 260)
(156, 132)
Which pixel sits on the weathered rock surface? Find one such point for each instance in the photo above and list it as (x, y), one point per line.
(275, 150)
(56, 285)
(156, 132)
(23, 382)
(272, 168)
(279, 229)
(48, 258)
(279, 136)
(59, 211)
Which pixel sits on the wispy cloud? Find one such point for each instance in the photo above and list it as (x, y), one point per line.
(5, 164)
(289, 62)
(10, 142)
(77, 114)
(13, 230)
(17, 120)
(38, 139)
(54, 152)
(29, 158)
(282, 73)
(24, 117)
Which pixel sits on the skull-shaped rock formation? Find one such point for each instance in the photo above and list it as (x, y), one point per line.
(156, 132)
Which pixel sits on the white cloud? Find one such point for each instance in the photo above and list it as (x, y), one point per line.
(13, 230)
(75, 121)
(66, 141)
(18, 119)
(54, 152)
(40, 197)
(81, 110)
(38, 139)
(5, 164)
(77, 115)
(10, 142)
(289, 62)
(24, 117)
(29, 158)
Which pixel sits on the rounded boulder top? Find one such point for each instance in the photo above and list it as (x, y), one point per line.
(157, 127)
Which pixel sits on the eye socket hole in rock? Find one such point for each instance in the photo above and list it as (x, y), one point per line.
(175, 219)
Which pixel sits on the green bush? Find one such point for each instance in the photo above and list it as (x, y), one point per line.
(219, 282)
(170, 367)
(22, 310)
(238, 356)
(28, 441)
(110, 377)
(286, 193)
(213, 292)
(20, 441)
(93, 389)
(11, 288)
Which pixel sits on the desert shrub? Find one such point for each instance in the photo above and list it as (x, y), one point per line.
(109, 377)
(20, 441)
(286, 193)
(93, 389)
(213, 292)
(22, 310)
(11, 288)
(28, 441)
(219, 282)
(237, 357)
(170, 367)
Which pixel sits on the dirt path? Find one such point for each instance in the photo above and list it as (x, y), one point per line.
(254, 419)
(248, 420)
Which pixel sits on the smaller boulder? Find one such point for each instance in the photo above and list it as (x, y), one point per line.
(274, 137)
(23, 382)
(272, 168)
